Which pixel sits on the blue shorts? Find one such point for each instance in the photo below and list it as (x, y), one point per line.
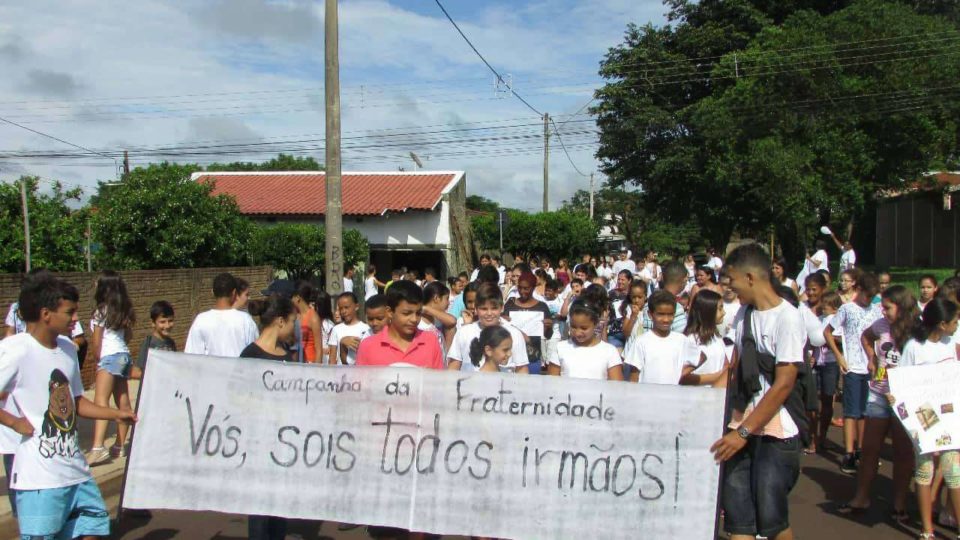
(62, 513)
(757, 481)
(117, 364)
(828, 375)
(855, 390)
(878, 409)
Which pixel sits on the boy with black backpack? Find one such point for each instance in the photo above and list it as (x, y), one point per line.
(769, 423)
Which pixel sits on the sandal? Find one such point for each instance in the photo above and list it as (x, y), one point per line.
(927, 536)
(846, 509)
(899, 516)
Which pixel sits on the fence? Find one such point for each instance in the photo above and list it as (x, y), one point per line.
(189, 290)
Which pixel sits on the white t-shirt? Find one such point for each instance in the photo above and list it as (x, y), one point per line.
(928, 352)
(13, 320)
(113, 341)
(586, 362)
(358, 329)
(221, 332)
(848, 259)
(624, 265)
(460, 348)
(778, 331)
(730, 310)
(370, 287)
(715, 263)
(714, 353)
(347, 284)
(658, 359)
(813, 326)
(853, 320)
(52, 457)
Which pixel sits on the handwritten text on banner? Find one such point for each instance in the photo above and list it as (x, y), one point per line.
(481, 454)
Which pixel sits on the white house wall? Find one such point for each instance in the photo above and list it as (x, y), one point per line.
(410, 229)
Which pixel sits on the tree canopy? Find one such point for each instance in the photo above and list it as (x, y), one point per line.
(57, 233)
(756, 115)
(158, 218)
(557, 234)
(283, 162)
(298, 248)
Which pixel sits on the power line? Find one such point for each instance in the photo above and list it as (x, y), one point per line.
(60, 140)
(499, 77)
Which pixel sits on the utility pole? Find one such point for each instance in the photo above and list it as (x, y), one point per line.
(126, 164)
(89, 261)
(546, 161)
(591, 195)
(333, 220)
(26, 222)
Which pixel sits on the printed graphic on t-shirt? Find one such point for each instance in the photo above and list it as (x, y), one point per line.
(58, 434)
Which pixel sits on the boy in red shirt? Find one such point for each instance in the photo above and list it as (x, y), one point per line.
(400, 343)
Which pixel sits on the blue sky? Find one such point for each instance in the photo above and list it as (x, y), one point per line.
(115, 75)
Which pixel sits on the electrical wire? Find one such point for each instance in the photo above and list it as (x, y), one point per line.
(499, 77)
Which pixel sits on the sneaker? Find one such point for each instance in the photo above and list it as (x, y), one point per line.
(118, 451)
(97, 455)
(848, 464)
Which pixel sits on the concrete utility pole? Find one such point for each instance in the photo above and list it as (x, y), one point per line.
(591, 195)
(333, 220)
(126, 164)
(546, 161)
(26, 222)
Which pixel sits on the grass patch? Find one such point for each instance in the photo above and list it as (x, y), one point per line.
(910, 277)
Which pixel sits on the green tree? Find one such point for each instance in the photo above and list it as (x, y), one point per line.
(624, 212)
(56, 231)
(298, 248)
(158, 218)
(481, 204)
(556, 234)
(283, 162)
(757, 116)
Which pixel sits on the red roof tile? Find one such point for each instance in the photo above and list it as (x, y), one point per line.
(304, 194)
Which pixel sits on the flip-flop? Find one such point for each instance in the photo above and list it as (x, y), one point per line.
(846, 510)
(899, 516)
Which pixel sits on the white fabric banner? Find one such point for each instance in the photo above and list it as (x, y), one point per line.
(926, 398)
(497, 455)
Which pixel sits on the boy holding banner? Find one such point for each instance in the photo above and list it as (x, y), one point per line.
(762, 448)
(55, 494)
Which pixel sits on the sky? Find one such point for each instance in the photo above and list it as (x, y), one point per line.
(241, 80)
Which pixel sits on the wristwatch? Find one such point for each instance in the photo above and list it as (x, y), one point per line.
(743, 432)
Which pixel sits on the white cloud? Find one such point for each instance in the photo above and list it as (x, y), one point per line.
(415, 71)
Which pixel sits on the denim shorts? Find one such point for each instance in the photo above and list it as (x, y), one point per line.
(117, 364)
(878, 409)
(855, 390)
(62, 513)
(828, 375)
(756, 485)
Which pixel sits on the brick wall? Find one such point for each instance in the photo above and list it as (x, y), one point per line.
(189, 290)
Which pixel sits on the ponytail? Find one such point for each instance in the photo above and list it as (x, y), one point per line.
(936, 312)
(491, 336)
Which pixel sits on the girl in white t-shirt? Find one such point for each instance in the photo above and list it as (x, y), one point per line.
(932, 344)
(492, 349)
(705, 355)
(111, 324)
(584, 355)
(779, 273)
(883, 342)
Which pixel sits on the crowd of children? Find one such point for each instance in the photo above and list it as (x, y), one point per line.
(782, 348)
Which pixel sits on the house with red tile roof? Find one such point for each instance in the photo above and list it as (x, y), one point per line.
(413, 219)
